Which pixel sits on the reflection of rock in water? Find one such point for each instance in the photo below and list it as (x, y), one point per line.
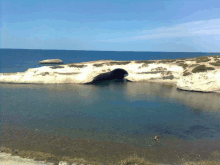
(197, 129)
(135, 132)
(167, 132)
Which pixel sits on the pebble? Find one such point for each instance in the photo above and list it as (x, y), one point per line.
(63, 163)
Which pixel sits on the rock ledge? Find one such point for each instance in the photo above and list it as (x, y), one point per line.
(188, 74)
(51, 61)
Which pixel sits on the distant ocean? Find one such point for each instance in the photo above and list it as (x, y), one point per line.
(19, 60)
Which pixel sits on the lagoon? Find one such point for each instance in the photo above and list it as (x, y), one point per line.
(106, 123)
(110, 122)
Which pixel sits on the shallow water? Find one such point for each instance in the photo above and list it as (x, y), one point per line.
(128, 114)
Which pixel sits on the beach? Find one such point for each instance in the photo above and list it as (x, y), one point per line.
(7, 159)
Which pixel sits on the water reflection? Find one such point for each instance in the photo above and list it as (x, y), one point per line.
(141, 107)
(132, 91)
(196, 100)
(130, 113)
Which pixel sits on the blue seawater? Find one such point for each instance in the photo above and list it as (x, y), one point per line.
(19, 60)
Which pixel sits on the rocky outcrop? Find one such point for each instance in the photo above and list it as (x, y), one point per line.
(203, 82)
(87, 72)
(51, 61)
(116, 74)
(156, 72)
(194, 74)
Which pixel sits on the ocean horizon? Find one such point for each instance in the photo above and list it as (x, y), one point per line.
(19, 60)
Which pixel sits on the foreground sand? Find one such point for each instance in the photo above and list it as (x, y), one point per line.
(7, 159)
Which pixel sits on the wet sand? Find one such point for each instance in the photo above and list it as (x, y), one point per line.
(54, 148)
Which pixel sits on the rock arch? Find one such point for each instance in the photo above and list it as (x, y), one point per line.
(116, 74)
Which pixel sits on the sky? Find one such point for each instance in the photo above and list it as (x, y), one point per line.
(114, 25)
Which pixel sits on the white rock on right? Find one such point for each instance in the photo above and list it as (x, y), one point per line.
(203, 81)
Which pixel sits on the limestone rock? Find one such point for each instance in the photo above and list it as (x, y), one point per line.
(51, 61)
(203, 81)
(86, 72)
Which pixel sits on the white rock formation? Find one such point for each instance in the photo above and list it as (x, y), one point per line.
(137, 72)
(203, 81)
(51, 61)
(85, 72)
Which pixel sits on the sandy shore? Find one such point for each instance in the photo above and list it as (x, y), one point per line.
(7, 159)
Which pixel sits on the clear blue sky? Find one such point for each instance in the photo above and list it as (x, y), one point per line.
(120, 25)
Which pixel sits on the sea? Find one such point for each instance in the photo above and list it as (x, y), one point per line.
(19, 60)
(107, 123)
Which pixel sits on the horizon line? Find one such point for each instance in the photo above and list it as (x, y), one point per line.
(107, 50)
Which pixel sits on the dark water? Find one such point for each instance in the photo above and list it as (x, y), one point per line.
(19, 60)
(129, 113)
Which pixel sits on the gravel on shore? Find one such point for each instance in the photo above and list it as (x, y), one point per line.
(8, 159)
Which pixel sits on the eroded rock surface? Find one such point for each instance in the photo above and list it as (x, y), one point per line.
(116, 74)
(51, 61)
(86, 72)
(204, 81)
(182, 72)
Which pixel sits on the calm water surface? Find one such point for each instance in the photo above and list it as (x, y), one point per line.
(129, 113)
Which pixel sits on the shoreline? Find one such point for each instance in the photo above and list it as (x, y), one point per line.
(14, 159)
(7, 158)
(192, 74)
(53, 149)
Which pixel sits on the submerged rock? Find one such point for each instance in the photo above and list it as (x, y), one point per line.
(51, 61)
